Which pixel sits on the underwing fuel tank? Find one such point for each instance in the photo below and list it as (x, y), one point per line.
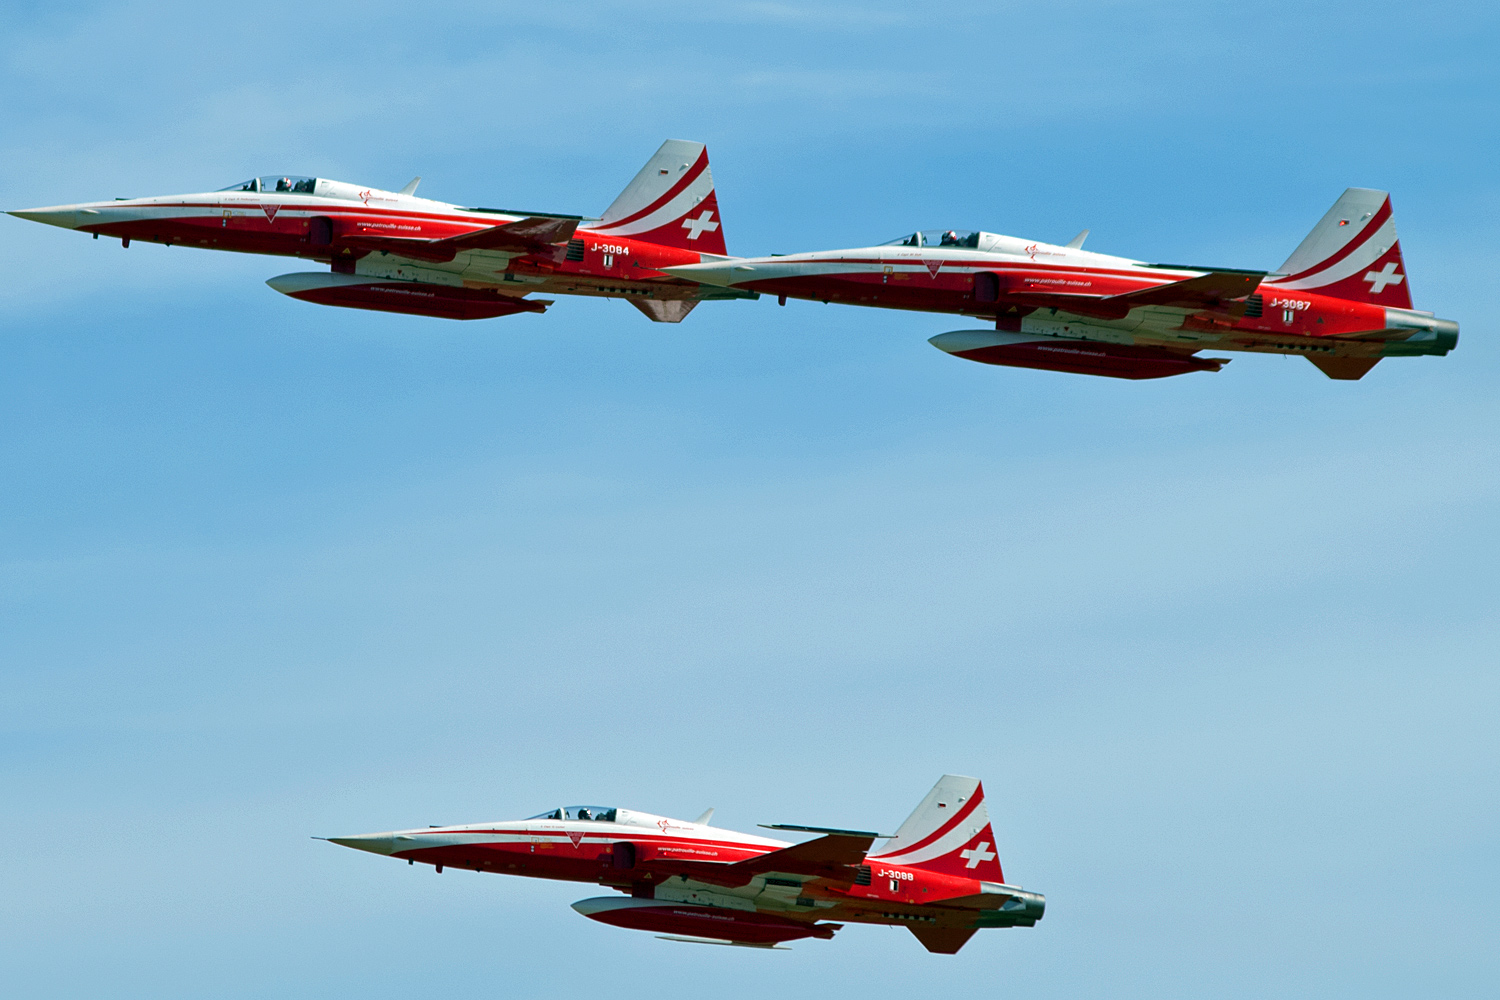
(706, 924)
(1062, 354)
(420, 298)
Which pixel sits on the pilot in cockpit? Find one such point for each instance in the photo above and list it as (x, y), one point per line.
(950, 239)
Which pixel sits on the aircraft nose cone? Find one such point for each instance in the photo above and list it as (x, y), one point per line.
(375, 843)
(65, 217)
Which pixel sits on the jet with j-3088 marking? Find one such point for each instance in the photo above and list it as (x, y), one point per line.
(1341, 299)
(394, 252)
(938, 875)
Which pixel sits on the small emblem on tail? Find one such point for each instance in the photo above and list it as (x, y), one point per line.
(975, 856)
(1385, 276)
(696, 227)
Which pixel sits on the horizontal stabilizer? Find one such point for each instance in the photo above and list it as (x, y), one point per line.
(665, 311)
(942, 940)
(1344, 369)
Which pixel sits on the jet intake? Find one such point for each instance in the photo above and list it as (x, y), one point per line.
(320, 231)
(704, 923)
(420, 298)
(1064, 354)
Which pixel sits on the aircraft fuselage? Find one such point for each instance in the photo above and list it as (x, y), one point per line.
(359, 231)
(680, 878)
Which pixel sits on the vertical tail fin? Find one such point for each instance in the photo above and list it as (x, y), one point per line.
(671, 202)
(948, 833)
(1353, 253)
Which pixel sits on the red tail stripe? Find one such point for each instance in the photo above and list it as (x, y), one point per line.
(953, 821)
(1376, 221)
(676, 189)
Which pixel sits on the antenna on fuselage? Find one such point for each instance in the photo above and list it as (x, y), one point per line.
(411, 188)
(1076, 243)
(708, 814)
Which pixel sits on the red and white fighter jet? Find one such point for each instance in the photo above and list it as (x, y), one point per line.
(687, 881)
(1341, 299)
(395, 252)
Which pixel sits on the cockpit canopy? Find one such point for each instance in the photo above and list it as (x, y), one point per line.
(285, 184)
(937, 238)
(319, 187)
(968, 239)
(600, 814)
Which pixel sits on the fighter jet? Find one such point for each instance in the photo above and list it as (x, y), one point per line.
(394, 252)
(1341, 299)
(939, 875)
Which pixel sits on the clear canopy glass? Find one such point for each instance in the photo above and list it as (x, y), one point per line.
(284, 183)
(936, 238)
(599, 814)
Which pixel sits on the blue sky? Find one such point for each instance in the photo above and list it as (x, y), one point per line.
(1222, 647)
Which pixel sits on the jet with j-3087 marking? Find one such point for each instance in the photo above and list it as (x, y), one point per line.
(394, 252)
(1341, 299)
(938, 875)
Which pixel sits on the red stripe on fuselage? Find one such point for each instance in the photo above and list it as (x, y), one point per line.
(639, 835)
(1152, 276)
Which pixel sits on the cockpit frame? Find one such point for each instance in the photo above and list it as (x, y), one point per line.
(564, 814)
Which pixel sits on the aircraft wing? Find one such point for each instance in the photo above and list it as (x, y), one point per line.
(836, 856)
(536, 234)
(1215, 291)
(533, 235)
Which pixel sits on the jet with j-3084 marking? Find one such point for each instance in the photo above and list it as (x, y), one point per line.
(1341, 299)
(394, 252)
(939, 875)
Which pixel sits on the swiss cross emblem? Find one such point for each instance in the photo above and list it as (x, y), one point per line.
(703, 223)
(978, 855)
(1385, 276)
(270, 211)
